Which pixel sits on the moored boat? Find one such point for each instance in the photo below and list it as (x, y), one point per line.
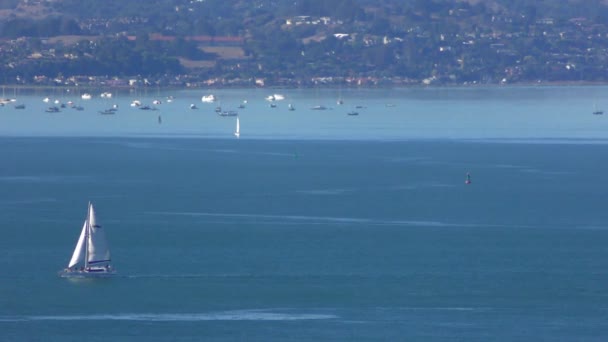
(208, 98)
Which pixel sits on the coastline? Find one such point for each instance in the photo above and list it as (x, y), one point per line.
(89, 87)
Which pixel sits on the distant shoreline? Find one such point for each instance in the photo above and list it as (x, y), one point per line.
(7, 87)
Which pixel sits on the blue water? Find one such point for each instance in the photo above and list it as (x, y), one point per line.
(329, 234)
(524, 113)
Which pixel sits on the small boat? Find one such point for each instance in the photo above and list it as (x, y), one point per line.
(319, 108)
(237, 132)
(597, 111)
(229, 113)
(468, 180)
(208, 98)
(91, 257)
(160, 120)
(135, 103)
(86, 96)
(110, 111)
(20, 106)
(193, 106)
(146, 107)
(79, 108)
(53, 109)
(273, 105)
(340, 102)
(290, 107)
(352, 113)
(106, 95)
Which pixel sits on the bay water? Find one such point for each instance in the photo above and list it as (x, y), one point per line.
(314, 225)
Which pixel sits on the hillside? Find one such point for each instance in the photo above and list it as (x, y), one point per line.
(296, 43)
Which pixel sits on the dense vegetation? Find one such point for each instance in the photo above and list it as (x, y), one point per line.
(448, 41)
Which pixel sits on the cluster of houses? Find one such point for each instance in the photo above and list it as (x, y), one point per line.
(568, 45)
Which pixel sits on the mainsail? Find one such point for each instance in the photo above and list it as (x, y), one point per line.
(98, 252)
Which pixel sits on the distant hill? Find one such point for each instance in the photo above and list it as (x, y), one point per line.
(298, 42)
(232, 17)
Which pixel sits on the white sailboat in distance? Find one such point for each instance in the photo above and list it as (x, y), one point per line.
(91, 257)
(237, 132)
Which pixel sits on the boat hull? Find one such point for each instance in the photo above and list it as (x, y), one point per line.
(92, 273)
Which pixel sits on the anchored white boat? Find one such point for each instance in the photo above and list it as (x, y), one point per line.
(208, 98)
(91, 257)
(275, 97)
(4, 101)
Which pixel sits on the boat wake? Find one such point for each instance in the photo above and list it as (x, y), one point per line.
(185, 276)
(30, 201)
(44, 179)
(325, 191)
(238, 315)
(396, 187)
(300, 219)
(542, 141)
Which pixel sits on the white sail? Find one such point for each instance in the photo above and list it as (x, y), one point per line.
(98, 251)
(78, 255)
(237, 132)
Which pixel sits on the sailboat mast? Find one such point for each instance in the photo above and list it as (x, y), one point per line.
(86, 237)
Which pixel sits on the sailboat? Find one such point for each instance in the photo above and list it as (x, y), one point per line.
(237, 132)
(597, 111)
(340, 100)
(468, 180)
(91, 257)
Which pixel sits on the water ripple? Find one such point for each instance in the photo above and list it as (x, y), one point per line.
(239, 315)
